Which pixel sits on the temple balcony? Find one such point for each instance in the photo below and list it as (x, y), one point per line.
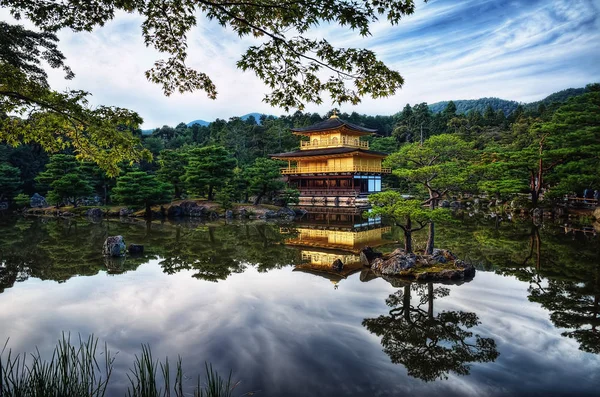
(324, 169)
(333, 142)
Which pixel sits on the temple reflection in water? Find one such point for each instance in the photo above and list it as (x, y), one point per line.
(324, 236)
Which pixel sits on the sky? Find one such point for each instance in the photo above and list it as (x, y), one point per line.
(448, 49)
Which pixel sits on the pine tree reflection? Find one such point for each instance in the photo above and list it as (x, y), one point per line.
(430, 345)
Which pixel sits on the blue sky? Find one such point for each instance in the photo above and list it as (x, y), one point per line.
(449, 49)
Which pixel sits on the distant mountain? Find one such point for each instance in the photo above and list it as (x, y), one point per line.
(245, 117)
(255, 115)
(203, 123)
(466, 105)
(560, 97)
(507, 106)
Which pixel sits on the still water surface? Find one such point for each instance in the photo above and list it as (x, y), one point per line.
(260, 299)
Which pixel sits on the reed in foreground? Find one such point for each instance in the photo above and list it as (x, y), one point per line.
(83, 370)
(152, 378)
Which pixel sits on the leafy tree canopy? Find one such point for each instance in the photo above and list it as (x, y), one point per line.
(265, 177)
(31, 112)
(297, 69)
(65, 180)
(138, 188)
(208, 167)
(10, 181)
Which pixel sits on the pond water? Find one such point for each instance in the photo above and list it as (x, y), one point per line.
(261, 300)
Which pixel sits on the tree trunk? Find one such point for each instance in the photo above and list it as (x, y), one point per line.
(259, 197)
(406, 302)
(431, 235)
(538, 248)
(148, 213)
(430, 239)
(430, 300)
(408, 236)
(210, 192)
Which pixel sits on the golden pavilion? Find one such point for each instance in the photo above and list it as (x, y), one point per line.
(334, 166)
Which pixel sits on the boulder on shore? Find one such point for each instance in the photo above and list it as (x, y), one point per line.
(368, 255)
(441, 265)
(175, 211)
(125, 212)
(38, 201)
(395, 264)
(114, 246)
(284, 212)
(94, 213)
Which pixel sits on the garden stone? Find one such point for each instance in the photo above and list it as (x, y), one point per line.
(38, 201)
(114, 246)
(125, 212)
(94, 213)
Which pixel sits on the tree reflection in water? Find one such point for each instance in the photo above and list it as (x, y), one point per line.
(430, 345)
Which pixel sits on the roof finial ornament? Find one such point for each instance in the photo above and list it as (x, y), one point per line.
(334, 115)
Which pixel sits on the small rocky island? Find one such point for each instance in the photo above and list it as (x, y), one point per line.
(439, 266)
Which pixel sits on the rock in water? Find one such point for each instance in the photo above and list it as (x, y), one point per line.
(286, 212)
(136, 249)
(368, 255)
(94, 213)
(192, 209)
(125, 212)
(114, 246)
(337, 264)
(175, 211)
(38, 201)
(395, 264)
(270, 214)
(442, 256)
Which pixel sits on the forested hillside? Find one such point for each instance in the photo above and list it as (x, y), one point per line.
(228, 160)
(464, 106)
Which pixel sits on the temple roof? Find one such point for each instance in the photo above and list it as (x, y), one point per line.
(333, 123)
(325, 152)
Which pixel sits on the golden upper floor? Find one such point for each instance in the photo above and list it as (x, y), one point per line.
(333, 132)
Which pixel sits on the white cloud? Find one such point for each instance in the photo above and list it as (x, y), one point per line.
(446, 50)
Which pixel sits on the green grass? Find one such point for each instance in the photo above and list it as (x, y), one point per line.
(85, 370)
(72, 371)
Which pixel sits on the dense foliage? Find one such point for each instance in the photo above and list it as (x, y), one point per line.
(298, 69)
(433, 156)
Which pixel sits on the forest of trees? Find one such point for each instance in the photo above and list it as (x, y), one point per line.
(228, 160)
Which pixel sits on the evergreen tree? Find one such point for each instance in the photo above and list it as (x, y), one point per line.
(436, 167)
(172, 169)
(489, 116)
(554, 158)
(264, 177)
(208, 168)
(65, 180)
(138, 188)
(408, 215)
(10, 181)
(450, 110)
